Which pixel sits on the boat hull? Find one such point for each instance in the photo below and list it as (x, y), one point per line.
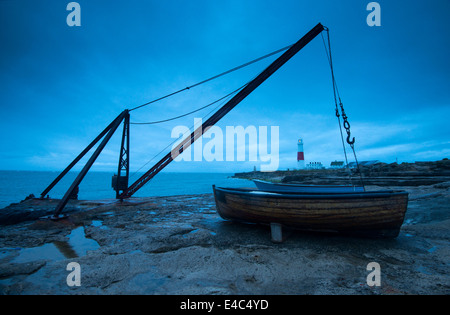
(276, 187)
(373, 214)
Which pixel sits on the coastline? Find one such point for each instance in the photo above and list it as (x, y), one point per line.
(379, 174)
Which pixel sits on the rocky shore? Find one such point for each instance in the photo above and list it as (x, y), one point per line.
(381, 174)
(179, 245)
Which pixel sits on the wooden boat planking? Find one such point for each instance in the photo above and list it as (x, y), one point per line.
(371, 214)
(279, 187)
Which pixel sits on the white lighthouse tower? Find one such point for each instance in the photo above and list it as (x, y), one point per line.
(300, 155)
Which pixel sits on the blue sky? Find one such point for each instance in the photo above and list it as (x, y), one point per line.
(62, 85)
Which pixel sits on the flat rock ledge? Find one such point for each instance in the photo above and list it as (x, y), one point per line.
(179, 245)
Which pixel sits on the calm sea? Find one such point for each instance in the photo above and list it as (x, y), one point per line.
(16, 185)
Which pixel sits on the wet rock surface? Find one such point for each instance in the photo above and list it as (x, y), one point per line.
(179, 245)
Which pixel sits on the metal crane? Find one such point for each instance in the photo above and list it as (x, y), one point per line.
(120, 182)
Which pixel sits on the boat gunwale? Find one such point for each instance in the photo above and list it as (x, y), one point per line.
(308, 186)
(311, 195)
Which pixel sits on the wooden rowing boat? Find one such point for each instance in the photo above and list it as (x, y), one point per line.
(372, 214)
(278, 187)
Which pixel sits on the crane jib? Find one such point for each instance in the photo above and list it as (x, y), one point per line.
(120, 182)
(225, 109)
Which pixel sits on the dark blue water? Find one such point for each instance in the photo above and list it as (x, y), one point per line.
(16, 185)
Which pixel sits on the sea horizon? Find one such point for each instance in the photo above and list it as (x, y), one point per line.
(96, 185)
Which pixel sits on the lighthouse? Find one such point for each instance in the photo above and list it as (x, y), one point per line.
(300, 155)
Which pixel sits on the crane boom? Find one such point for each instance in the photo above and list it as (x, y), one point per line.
(249, 88)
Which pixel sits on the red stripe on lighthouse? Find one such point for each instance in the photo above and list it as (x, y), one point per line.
(300, 156)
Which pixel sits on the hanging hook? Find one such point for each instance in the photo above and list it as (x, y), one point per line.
(347, 128)
(350, 142)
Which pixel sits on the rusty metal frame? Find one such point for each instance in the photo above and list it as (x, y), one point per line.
(106, 134)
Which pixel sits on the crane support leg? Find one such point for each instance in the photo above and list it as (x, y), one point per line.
(110, 131)
(76, 160)
(119, 181)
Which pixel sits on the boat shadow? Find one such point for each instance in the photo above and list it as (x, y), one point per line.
(244, 233)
